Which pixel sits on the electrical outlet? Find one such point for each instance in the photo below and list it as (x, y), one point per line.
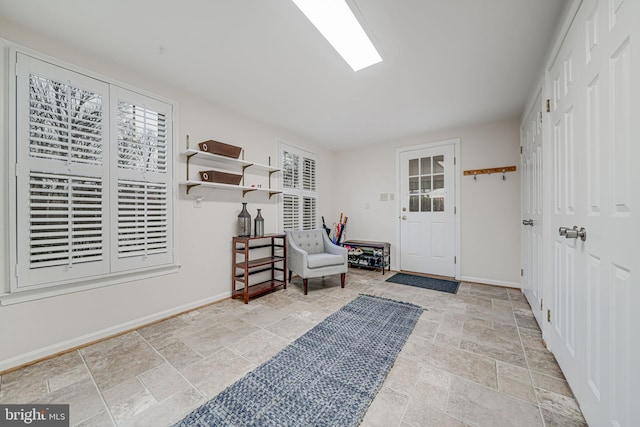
(197, 202)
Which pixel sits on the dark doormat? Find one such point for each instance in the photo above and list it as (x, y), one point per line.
(450, 286)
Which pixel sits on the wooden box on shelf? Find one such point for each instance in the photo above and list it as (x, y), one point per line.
(220, 148)
(220, 177)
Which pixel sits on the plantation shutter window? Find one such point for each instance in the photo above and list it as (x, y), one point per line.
(61, 146)
(94, 193)
(299, 200)
(142, 188)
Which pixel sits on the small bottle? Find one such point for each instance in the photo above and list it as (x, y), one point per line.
(259, 225)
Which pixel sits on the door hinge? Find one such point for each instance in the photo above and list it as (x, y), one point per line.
(522, 272)
(541, 304)
(455, 210)
(521, 149)
(16, 170)
(548, 315)
(17, 271)
(548, 105)
(455, 260)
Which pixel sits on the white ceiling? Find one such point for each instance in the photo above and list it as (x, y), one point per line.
(447, 63)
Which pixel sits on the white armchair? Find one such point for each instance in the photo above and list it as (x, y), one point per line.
(310, 254)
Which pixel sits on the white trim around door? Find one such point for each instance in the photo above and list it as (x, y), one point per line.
(455, 142)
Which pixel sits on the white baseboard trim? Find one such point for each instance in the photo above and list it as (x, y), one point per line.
(61, 347)
(484, 281)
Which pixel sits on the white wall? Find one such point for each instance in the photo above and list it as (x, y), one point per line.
(30, 330)
(347, 181)
(490, 207)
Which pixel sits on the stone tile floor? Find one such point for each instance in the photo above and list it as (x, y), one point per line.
(475, 358)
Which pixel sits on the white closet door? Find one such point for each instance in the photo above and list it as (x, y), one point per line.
(594, 88)
(532, 192)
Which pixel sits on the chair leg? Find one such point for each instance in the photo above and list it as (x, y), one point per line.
(342, 279)
(290, 274)
(305, 281)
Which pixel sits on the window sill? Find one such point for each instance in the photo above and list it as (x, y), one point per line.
(43, 293)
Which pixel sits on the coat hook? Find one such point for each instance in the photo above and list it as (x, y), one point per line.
(504, 178)
(475, 176)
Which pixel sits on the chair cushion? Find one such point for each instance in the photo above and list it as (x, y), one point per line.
(324, 260)
(309, 241)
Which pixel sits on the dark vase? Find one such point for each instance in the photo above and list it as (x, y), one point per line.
(244, 222)
(259, 225)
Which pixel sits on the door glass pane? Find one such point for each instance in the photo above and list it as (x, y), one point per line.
(425, 203)
(413, 167)
(413, 203)
(438, 164)
(425, 165)
(438, 193)
(414, 185)
(438, 182)
(425, 184)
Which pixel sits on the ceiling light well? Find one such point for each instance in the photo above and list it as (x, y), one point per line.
(337, 23)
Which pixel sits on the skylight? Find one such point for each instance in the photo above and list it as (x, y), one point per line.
(337, 23)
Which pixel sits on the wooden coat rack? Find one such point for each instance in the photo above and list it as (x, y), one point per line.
(502, 170)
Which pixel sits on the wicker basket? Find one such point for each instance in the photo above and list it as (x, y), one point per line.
(220, 148)
(220, 177)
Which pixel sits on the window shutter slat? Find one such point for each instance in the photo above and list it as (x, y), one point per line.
(142, 230)
(142, 138)
(290, 171)
(65, 122)
(64, 232)
(290, 213)
(309, 174)
(309, 213)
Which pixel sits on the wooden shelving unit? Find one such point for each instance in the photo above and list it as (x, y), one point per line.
(271, 267)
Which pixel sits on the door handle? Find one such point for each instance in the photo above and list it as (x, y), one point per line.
(573, 233)
(404, 217)
(527, 222)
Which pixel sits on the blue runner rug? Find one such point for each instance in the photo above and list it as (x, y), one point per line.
(327, 377)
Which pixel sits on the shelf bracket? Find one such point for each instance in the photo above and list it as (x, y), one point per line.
(270, 173)
(190, 186)
(244, 168)
(244, 192)
(189, 156)
(273, 193)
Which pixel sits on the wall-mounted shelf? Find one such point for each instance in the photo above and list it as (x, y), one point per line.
(210, 157)
(205, 184)
(206, 158)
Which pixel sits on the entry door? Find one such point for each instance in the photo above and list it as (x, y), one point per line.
(532, 185)
(427, 226)
(595, 106)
